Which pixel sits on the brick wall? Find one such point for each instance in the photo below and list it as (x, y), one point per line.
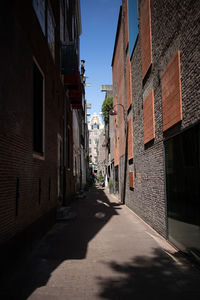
(28, 183)
(174, 27)
(119, 91)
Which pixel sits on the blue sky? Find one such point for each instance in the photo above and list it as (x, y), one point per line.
(99, 24)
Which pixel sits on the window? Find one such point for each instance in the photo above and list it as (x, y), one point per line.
(133, 24)
(39, 7)
(95, 133)
(90, 141)
(90, 150)
(95, 126)
(95, 150)
(96, 141)
(95, 159)
(182, 160)
(38, 110)
(51, 30)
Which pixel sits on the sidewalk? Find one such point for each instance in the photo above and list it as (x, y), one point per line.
(106, 252)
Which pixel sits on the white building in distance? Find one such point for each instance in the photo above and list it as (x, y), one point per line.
(95, 127)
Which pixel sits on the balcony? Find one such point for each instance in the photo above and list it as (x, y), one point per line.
(72, 77)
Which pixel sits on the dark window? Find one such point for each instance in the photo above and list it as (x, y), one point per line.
(133, 24)
(37, 110)
(95, 126)
(182, 154)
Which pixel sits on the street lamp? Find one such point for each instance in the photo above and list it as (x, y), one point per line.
(113, 112)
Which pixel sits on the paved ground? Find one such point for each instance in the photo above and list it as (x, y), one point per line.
(106, 252)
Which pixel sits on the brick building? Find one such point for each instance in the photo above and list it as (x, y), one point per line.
(108, 167)
(40, 88)
(95, 129)
(157, 56)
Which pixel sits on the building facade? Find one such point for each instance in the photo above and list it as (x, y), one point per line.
(41, 93)
(157, 47)
(95, 127)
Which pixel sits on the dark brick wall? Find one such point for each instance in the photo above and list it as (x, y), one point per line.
(175, 27)
(21, 40)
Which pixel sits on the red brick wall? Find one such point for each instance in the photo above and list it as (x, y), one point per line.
(118, 91)
(171, 93)
(149, 122)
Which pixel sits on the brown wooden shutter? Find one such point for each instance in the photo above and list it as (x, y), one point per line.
(146, 38)
(149, 122)
(130, 138)
(171, 93)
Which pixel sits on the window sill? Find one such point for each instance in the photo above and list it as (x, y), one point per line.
(38, 156)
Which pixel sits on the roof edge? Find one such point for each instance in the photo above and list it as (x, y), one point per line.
(117, 34)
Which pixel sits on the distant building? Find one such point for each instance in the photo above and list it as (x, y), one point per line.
(95, 129)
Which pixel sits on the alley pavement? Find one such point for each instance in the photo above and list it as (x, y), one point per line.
(105, 252)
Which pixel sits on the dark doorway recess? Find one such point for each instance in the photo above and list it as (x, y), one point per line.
(182, 155)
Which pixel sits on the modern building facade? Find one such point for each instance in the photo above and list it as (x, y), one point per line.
(156, 93)
(42, 97)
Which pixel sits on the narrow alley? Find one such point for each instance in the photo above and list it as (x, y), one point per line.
(105, 252)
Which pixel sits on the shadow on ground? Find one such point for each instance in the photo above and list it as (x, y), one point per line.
(156, 277)
(67, 240)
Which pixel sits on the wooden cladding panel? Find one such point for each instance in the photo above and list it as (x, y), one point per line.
(146, 38)
(130, 138)
(128, 82)
(171, 93)
(149, 121)
(131, 180)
